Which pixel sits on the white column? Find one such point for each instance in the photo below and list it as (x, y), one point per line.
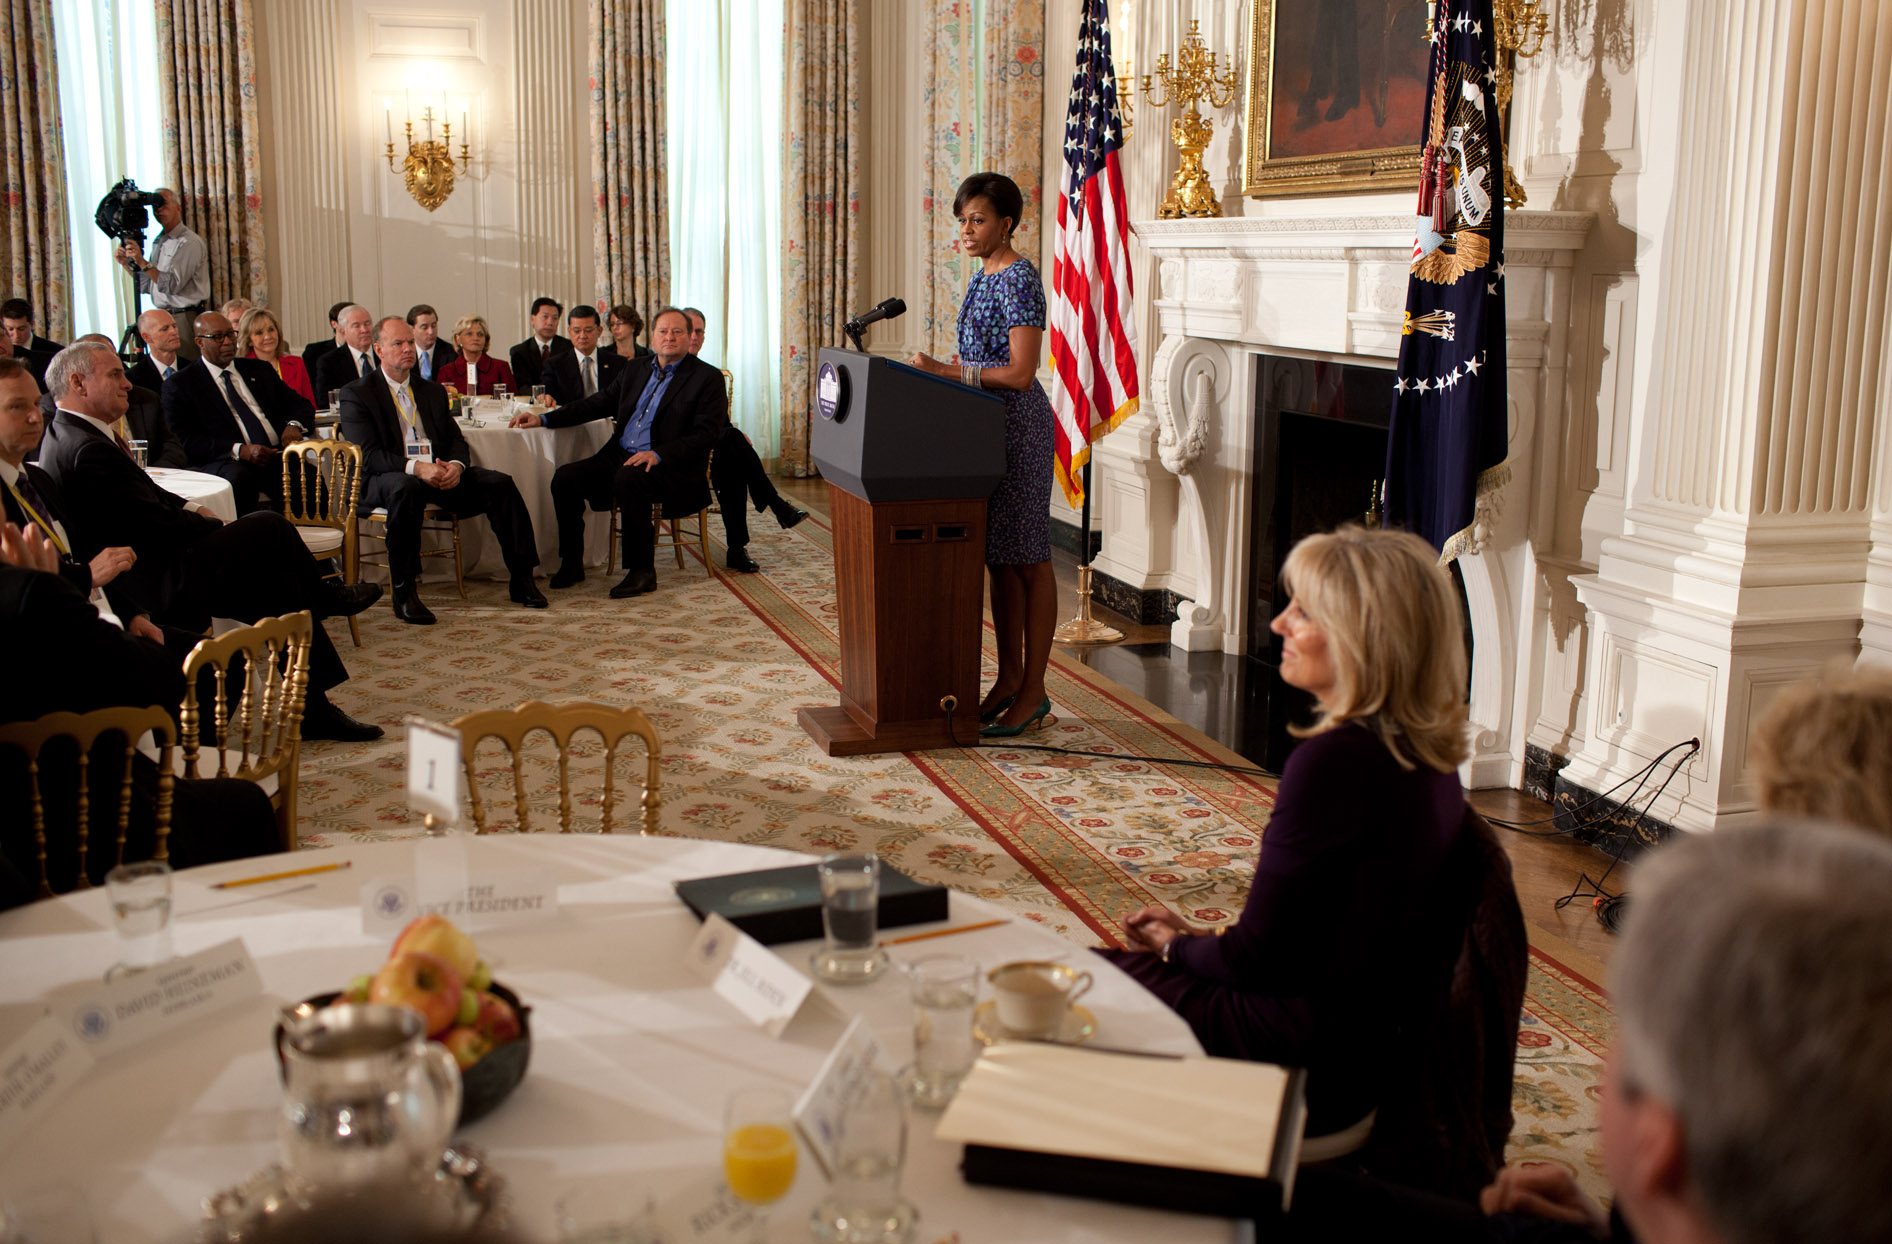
(1743, 550)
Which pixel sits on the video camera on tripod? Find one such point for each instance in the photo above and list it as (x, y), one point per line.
(122, 213)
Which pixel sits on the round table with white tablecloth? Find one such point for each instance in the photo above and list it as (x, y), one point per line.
(632, 1054)
(213, 492)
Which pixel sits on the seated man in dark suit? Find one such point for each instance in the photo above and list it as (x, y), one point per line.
(530, 356)
(735, 470)
(351, 360)
(235, 415)
(64, 657)
(669, 410)
(144, 421)
(33, 363)
(158, 329)
(584, 369)
(431, 354)
(190, 567)
(16, 320)
(413, 456)
(313, 352)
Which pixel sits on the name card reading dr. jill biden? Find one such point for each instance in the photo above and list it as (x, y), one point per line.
(747, 975)
(137, 1008)
(491, 898)
(36, 1071)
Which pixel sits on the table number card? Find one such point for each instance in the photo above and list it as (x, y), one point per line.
(747, 974)
(818, 1112)
(35, 1072)
(433, 770)
(137, 1008)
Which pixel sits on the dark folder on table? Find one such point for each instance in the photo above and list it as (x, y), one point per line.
(1200, 1135)
(784, 904)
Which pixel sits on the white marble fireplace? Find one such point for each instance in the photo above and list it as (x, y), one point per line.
(1174, 490)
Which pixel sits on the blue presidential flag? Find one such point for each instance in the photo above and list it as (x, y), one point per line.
(1447, 445)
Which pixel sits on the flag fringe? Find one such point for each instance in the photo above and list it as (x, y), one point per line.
(1466, 542)
(1068, 482)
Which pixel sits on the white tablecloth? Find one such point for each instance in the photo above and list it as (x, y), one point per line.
(632, 1056)
(212, 491)
(529, 455)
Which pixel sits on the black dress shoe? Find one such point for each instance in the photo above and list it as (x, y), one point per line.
(636, 583)
(739, 559)
(322, 720)
(526, 593)
(569, 573)
(345, 600)
(407, 606)
(786, 514)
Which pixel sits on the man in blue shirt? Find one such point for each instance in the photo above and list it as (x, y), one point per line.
(669, 410)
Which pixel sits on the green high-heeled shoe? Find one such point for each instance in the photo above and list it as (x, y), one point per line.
(1033, 722)
(992, 714)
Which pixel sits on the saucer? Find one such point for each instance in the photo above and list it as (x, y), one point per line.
(1079, 1026)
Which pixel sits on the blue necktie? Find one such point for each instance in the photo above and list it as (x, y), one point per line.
(427, 365)
(252, 426)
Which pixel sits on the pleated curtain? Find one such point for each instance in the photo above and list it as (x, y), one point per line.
(820, 203)
(207, 97)
(950, 105)
(631, 222)
(33, 245)
(1012, 139)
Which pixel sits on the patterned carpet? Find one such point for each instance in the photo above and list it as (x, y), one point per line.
(721, 665)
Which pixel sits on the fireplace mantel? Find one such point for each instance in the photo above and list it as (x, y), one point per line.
(1174, 491)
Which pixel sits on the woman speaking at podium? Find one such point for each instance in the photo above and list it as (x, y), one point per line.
(1001, 334)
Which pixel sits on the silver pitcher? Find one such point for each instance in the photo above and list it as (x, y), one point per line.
(366, 1098)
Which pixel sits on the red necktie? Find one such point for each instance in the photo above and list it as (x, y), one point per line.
(545, 353)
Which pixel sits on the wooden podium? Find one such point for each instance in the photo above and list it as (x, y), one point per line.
(910, 459)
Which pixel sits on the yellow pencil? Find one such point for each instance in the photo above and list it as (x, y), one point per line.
(294, 872)
(920, 937)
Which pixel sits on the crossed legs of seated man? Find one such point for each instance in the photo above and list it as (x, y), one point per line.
(474, 491)
(598, 481)
(735, 470)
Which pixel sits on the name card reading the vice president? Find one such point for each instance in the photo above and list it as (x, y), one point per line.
(488, 898)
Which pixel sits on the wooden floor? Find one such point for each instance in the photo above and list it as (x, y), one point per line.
(1544, 868)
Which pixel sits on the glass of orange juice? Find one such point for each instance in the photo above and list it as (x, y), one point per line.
(758, 1150)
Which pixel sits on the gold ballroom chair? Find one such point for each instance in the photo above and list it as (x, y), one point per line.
(325, 519)
(436, 519)
(261, 740)
(85, 729)
(562, 722)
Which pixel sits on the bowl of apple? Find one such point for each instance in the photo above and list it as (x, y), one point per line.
(436, 971)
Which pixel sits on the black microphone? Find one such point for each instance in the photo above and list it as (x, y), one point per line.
(887, 310)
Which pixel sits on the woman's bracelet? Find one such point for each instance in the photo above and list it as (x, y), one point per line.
(969, 376)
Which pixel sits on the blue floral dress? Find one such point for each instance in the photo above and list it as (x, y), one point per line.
(1018, 514)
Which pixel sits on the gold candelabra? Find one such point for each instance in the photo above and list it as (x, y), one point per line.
(428, 168)
(1519, 27)
(1193, 80)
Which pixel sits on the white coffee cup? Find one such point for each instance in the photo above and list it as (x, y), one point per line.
(1034, 997)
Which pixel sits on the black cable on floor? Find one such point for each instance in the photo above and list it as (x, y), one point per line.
(1607, 905)
(1177, 762)
(1640, 778)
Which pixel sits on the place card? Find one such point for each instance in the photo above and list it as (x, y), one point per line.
(747, 974)
(818, 1111)
(703, 1211)
(36, 1071)
(136, 1008)
(488, 899)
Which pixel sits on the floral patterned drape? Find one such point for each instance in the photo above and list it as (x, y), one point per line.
(33, 244)
(820, 201)
(207, 96)
(1012, 141)
(950, 102)
(630, 232)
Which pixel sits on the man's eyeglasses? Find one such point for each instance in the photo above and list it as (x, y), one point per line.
(216, 336)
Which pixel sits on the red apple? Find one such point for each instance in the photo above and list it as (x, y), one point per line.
(422, 982)
(467, 1045)
(437, 935)
(497, 1019)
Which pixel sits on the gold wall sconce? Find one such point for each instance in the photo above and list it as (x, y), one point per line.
(1519, 27)
(428, 167)
(1191, 81)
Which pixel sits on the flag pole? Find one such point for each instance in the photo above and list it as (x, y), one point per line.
(1084, 629)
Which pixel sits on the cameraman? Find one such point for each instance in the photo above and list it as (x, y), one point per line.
(177, 276)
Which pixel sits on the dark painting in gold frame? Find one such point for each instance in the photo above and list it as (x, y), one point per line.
(1336, 96)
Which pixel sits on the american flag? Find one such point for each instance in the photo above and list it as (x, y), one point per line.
(1093, 341)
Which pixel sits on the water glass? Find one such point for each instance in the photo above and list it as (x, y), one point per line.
(850, 919)
(945, 988)
(499, 394)
(538, 391)
(863, 1204)
(141, 912)
(617, 1212)
(140, 452)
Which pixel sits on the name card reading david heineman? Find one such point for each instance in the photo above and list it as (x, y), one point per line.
(137, 1008)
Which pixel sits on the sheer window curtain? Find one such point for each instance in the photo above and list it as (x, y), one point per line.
(109, 111)
(724, 86)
